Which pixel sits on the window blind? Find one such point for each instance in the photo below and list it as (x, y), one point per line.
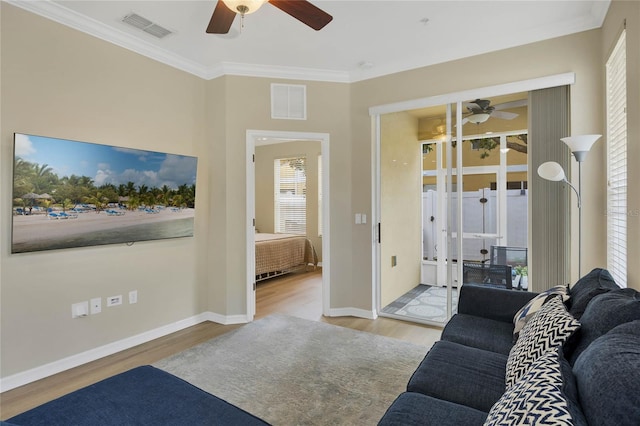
(549, 203)
(290, 198)
(616, 80)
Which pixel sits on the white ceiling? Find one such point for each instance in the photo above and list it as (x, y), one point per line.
(387, 36)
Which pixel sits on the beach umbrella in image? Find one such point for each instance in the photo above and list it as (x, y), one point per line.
(45, 196)
(30, 196)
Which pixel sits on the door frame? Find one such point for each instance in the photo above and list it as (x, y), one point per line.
(375, 112)
(257, 137)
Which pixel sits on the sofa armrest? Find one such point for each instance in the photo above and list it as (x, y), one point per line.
(492, 303)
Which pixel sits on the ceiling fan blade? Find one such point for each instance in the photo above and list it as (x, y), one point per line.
(221, 19)
(304, 12)
(504, 115)
(513, 104)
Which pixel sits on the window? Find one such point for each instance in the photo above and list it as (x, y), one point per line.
(616, 76)
(320, 195)
(290, 198)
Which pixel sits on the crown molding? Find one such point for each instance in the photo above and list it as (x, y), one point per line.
(275, 71)
(77, 21)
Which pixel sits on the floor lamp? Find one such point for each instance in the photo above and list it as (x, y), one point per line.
(579, 146)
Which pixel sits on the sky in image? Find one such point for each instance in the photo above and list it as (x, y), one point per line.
(107, 164)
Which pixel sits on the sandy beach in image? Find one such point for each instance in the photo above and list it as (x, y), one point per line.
(40, 232)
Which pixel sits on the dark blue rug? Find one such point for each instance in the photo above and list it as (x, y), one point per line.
(141, 396)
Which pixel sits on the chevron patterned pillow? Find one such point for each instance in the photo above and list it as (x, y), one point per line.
(548, 328)
(536, 398)
(526, 312)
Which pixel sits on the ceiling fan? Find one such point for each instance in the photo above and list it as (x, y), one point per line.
(481, 109)
(302, 10)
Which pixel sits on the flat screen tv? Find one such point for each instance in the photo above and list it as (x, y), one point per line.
(76, 194)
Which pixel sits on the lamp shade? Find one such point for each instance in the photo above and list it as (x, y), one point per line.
(551, 171)
(580, 145)
(244, 7)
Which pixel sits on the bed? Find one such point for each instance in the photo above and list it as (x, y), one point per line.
(278, 254)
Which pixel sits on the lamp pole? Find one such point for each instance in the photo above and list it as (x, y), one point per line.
(580, 146)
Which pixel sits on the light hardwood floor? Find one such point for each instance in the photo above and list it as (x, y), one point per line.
(297, 294)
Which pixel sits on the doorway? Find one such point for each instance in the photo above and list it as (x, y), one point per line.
(451, 207)
(321, 228)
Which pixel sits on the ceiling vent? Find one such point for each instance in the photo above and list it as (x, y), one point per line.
(146, 25)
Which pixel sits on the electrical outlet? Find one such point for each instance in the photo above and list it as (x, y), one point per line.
(133, 297)
(114, 301)
(96, 305)
(394, 261)
(79, 310)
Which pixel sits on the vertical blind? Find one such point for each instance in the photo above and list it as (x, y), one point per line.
(616, 76)
(549, 202)
(290, 198)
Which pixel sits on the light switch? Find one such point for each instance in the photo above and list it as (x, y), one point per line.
(358, 218)
(364, 218)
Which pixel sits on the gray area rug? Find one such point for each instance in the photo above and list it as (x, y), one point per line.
(424, 302)
(291, 371)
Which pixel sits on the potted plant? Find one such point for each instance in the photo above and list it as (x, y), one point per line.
(522, 280)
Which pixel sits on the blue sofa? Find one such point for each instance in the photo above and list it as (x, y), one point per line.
(463, 375)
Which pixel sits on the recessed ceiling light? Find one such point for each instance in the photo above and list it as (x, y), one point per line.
(365, 65)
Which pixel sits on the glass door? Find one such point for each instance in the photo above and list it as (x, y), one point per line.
(465, 203)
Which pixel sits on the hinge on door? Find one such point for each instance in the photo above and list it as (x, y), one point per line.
(254, 222)
(254, 158)
(254, 286)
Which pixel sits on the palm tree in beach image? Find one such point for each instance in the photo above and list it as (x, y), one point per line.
(97, 199)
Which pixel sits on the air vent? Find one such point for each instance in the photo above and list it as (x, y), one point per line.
(146, 25)
(288, 101)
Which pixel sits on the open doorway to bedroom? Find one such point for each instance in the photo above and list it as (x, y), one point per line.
(287, 219)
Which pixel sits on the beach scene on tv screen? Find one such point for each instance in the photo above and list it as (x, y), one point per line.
(75, 194)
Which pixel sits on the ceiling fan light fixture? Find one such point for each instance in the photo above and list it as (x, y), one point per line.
(244, 7)
(478, 118)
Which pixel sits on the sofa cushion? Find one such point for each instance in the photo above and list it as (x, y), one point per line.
(607, 375)
(536, 398)
(493, 303)
(603, 313)
(550, 327)
(412, 408)
(534, 305)
(142, 396)
(461, 374)
(481, 333)
(570, 391)
(596, 282)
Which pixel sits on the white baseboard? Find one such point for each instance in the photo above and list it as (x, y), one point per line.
(352, 312)
(37, 373)
(226, 319)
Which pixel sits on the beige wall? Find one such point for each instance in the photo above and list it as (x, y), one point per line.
(265, 155)
(573, 53)
(60, 82)
(246, 103)
(401, 205)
